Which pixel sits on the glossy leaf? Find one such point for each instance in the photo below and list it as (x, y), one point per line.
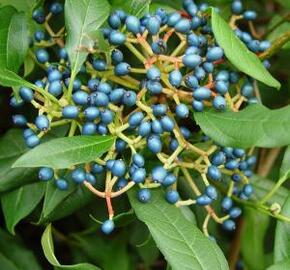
(254, 126)
(282, 236)
(82, 19)
(252, 238)
(283, 265)
(181, 242)
(12, 146)
(14, 255)
(237, 52)
(17, 34)
(19, 203)
(65, 152)
(48, 249)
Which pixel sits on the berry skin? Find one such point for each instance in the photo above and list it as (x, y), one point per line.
(122, 69)
(211, 192)
(70, 112)
(91, 178)
(214, 173)
(144, 195)
(97, 169)
(172, 196)
(108, 226)
(117, 56)
(56, 8)
(121, 183)
(219, 103)
(107, 116)
(120, 145)
(158, 174)
(45, 174)
(154, 87)
(116, 95)
(169, 180)
(182, 111)
(89, 128)
(99, 65)
(237, 7)
(218, 159)
(114, 20)
(32, 141)
(248, 190)
(203, 200)
(119, 168)
(173, 19)
(129, 98)
(42, 122)
(19, 120)
(93, 84)
(42, 56)
(144, 129)
(54, 75)
(173, 144)
(62, 54)
(235, 212)
(15, 103)
(98, 99)
(26, 94)
(232, 164)
(156, 127)
(191, 81)
(229, 225)
(39, 35)
(191, 60)
(197, 105)
(61, 184)
(159, 47)
(91, 113)
(38, 15)
(167, 123)
(138, 160)
(133, 24)
(159, 109)
(247, 90)
(80, 97)
(239, 153)
(202, 93)
(55, 88)
(250, 15)
(214, 54)
(222, 87)
(139, 175)
(117, 38)
(78, 175)
(153, 25)
(175, 78)
(182, 26)
(227, 203)
(135, 119)
(105, 88)
(208, 67)
(153, 74)
(27, 132)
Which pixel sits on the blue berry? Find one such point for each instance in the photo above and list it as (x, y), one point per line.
(153, 74)
(102, 129)
(119, 168)
(135, 119)
(45, 174)
(117, 38)
(108, 226)
(169, 180)
(175, 78)
(122, 69)
(107, 116)
(19, 120)
(158, 174)
(197, 105)
(167, 123)
(27, 132)
(139, 175)
(70, 112)
(195, 22)
(232, 164)
(42, 122)
(39, 35)
(239, 153)
(138, 160)
(91, 178)
(54, 75)
(144, 129)
(99, 65)
(201, 93)
(98, 99)
(159, 46)
(120, 145)
(214, 54)
(55, 88)
(144, 195)
(185, 132)
(16, 103)
(156, 127)
(214, 173)
(105, 88)
(154, 87)
(80, 97)
(117, 56)
(218, 159)
(61, 184)
(116, 95)
(133, 24)
(191, 60)
(89, 128)
(236, 178)
(159, 109)
(248, 190)
(62, 54)
(182, 110)
(121, 183)
(219, 103)
(173, 144)
(78, 175)
(26, 94)
(38, 15)
(237, 7)
(191, 81)
(172, 196)
(250, 15)
(129, 98)
(32, 141)
(114, 20)
(208, 67)
(211, 192)
(97, 168)
(153, 25)
(56, 8)
(173, 18)
(183, 26)
(93, 84)
(154, 144)
(222, 87)
(227, 203)
(235, 212)
(42, 56)
(229, 225)
(203, 200)
(91, 113)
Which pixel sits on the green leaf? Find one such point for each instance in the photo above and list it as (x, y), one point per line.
(17, 34)
(237, 52)
(19, 203)
(58, 204)
(284, 265)
(12, 146)
(82, 19)
(253, 234)
(181, 242)
(285, 166)
(29, 65)
(263, 186)
(65, 152)
(14, 255)
(48, 249)
(282, 236)
(139, 7)
(271, 127)
(20, 5)
(284, 3)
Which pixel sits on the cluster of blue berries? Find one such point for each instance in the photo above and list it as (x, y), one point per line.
(163, 67)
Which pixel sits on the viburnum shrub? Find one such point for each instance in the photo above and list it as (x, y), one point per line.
(132, 110)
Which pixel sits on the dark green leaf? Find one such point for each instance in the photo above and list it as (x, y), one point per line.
(82, 19)
(17, 34)
(65, 152)
(29, 65)
(282, 236)
(271, 127)
(237, 52)
(12, 146)
(14, 255)
(181, 242)
(284, 3)
(48, 249)
(262, 186)
(253, 235)
(20, 5)
(284, 265)
(19, 203)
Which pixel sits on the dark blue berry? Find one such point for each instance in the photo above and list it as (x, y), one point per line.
(117, 38)
(203, 200)
(99, 65)
(61, 184)
(89, 128)
(45, 174)
(153, 25)
(129, 98)
(235, 212)
(19, 120)
(158, 174)
(138, 160)
(144, 195)
(42, 56)
(172, 196)
(183, 26)
(38, 15)
(167, 123)
(175, 78)
(70, 112)
(56, 8)
(91, 113)
(214, 173)
(114, 20)
(122, 69)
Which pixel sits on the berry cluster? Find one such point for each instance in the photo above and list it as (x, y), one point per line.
(161, 69)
